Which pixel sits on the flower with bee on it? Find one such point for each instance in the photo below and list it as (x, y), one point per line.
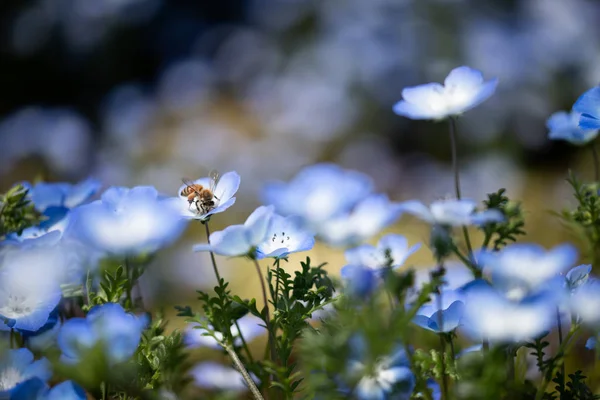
(204, 197)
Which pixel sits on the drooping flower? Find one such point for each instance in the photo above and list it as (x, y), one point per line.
(318, 193)
(578, 276)
(62, 195)
(241, 240)
(529, 265)
(285, 235)
(109, 326)
(451, 212)
(390, 377)
(17, 370)
(450, 313)
(565, 126)
(489, 314)
(223, 196)
(392, 250)
(463, 89)
(214, 376)
(369, 217)
(588, 104)
(251, 327)
(127, 221)
(29, 287)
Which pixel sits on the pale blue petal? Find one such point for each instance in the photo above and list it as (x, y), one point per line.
(40, 369)
(113, 196)
(76, 334)
(67, 390)
(578, 276)
(463, 76)
(589, 103)
(485, 92)
(417, 209)
(412, 111)
(559, 121)
(258, 223)
(487, 217)
(591, 343)
(232, 241)
(251, 327)
(38, 318)
(82, 191)
(219, 209)
(422, 94)
(227, 186)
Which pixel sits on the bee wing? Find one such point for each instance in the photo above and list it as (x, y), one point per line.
(214, 179)
(189, 183)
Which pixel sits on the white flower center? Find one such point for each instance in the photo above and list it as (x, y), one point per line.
(16, 306)
(9, 378)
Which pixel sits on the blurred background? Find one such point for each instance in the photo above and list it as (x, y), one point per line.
(146, 92)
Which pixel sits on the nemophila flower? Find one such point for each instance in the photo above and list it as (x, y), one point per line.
(369, 217)
(318, 193)
(588, 104)
(29, 287)
(451, 312)
(578, 276)
(359, 281)
(67, 390)
(34, 236)
(251, 327)
(223, 196)
(18, 368)
(463, 89)
(127, 221)
(241, 240)
(591, 343)
(285, 235)
(392, 250)
(214, 376)
(390, 376)
(489, 314)
(528, 264)
(565, 126)
(45, 337)
(451, 212)
(46, 195)
(109, 326)
(585, 303)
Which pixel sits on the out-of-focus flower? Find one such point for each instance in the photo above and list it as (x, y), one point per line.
(107, 325)
(588, 104)
(528, 264)
(241, 240)
(463, 89)
(127, 221)
(578, 276)
(67, 390)
(585, 303)
(565, 126)
(450, 313)
(285, 235)
(250, 327)
(45, 195)
(214, 376)
(223, 193)
(318, 193)
(29, 287)
(451, 212)
(488, 314)
(391, 376)
(33, 236)
(392, 250)
(366, 219)
(45, 337)
(17, 368)
(359, 281)
(591, 343)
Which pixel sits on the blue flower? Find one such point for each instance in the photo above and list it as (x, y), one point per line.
(528, 265)
(578, 276)
(451, 212)
(392, 245)
(588, 104)
(34, 236)
(127, 221)
(585, 303)
(285, 235)
(318, 193)
(107, 325)
(359, 281)
(463, 89)
(489, 314)
(67, 390)
(390, 377)
(17, 368)
(224, 190)
(452, 308)
(45, 337)
(62, 195)
(565, 126)
(369, 217)
(591, 343)
(241, 240)
(214, 376)
(250, 326)
(29, 287)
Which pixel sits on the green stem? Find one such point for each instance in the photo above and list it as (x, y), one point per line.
(596, 163)
(271, 338)
(561, 351)
(442, 341)
(244, 344)
(275, 295)
(240, 367)
(212, 255)
(560, 341)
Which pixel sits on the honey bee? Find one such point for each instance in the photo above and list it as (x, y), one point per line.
(203, 198)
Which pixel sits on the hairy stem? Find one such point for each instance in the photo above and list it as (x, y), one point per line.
(442, 341)
(271, 338)
(212, 255)
(240, 367)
